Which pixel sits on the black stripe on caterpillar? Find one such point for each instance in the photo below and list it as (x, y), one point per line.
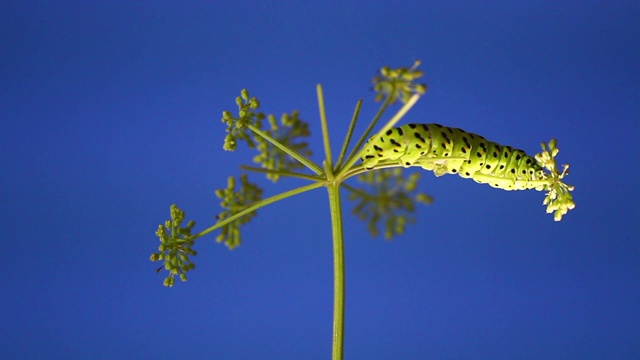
(446, 150)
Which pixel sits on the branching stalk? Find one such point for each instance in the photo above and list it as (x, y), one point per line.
(365, 136)
(394, 120)
(258, 205)
(282, 173)
(302, 159)
(347, 138)
(328, 162)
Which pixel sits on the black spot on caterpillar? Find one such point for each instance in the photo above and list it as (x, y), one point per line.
(446, 150)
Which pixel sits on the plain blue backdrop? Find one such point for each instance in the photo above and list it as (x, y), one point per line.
(110, 112)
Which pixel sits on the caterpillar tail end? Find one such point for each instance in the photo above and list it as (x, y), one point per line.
(558, 198)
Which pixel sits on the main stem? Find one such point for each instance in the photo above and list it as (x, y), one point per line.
(338, 271)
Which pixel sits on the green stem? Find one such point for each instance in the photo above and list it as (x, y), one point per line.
(258, 205)
(338, 271)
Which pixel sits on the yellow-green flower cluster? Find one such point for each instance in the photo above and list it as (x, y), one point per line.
(398, 84)
(558, 198)
(237, 126)
(175, 247)
(235, 202)
(389, 199)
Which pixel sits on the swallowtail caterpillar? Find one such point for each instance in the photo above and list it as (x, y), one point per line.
(446, 150)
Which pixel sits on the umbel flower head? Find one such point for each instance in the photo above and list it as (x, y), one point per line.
(237, 126)
(398, 84)
(175, 247)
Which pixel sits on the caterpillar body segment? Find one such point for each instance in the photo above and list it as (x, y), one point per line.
(446, 150)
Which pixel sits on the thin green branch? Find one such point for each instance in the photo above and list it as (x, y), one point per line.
(365, 136)
(347, 139)
(258, 205)
(281, 173)
(302, 159)
(359, 169)
(540, 184)
(394, 120)
(355, 190)
(328, 164)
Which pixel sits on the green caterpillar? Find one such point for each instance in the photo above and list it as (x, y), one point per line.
(446, 150)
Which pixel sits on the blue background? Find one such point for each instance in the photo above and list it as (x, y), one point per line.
(110, 112)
